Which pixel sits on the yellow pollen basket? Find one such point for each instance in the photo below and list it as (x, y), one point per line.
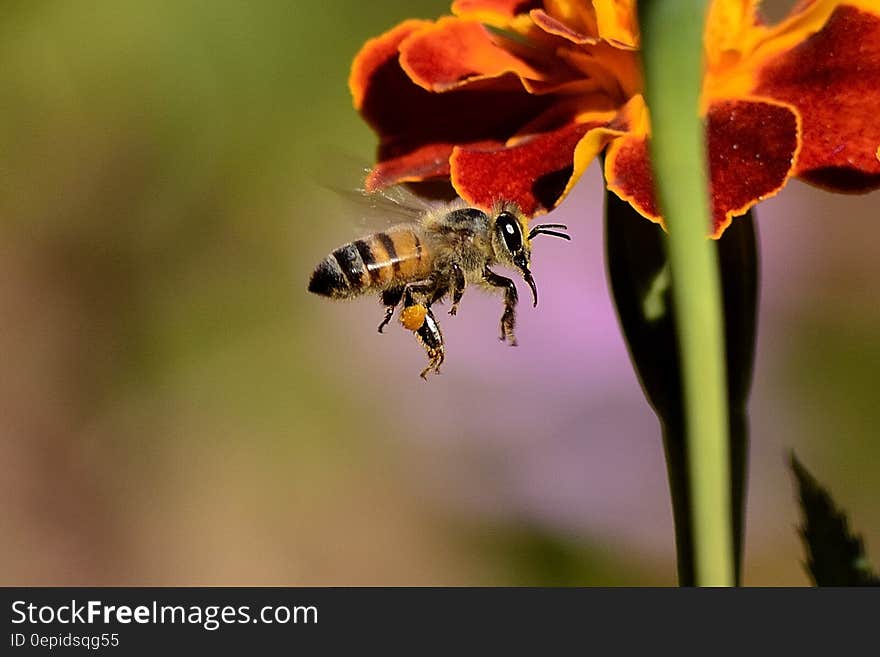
(413, 317)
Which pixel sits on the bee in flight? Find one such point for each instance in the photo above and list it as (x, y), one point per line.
(439, 252)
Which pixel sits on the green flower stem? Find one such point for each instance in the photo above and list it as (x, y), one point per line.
(672, 34)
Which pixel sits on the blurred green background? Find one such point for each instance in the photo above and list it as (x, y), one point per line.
(176, 409)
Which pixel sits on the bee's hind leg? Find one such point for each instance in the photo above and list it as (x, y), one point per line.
(430, 337)
(424, 289)
(390, 299)
(418, 318)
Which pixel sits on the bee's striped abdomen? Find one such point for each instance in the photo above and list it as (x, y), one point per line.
(374, 262)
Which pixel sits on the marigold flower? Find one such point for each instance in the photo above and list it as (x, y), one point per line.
(514, 98)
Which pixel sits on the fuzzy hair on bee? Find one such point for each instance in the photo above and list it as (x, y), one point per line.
(437, 254)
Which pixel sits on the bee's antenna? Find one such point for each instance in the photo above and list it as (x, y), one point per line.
(542, 229)
(553, 233)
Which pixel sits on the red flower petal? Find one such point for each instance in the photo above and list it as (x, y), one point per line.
(752, 147)
(752, 150)
(375, 54)
(418, 129)
(833, 79)
(453, 52)
(423, 163)
(628, 174)
(533, 174)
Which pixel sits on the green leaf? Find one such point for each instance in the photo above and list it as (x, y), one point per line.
(835, 557)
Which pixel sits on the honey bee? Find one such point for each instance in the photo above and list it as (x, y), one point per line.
(442, 250)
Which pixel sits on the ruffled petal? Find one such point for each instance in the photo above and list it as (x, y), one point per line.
(731, 27)
(375, 55)
(738, 44)
(454, 51)
(628, 174)
(631, 119)
(616, 22)
(752, 145)
(833, 79)
(613, 21)
(418, 129)
(422, 163)
(577, 15)
(556, 27)
(493, 11)
(533, 173)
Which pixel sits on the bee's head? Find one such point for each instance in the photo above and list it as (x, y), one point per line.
(511, 242)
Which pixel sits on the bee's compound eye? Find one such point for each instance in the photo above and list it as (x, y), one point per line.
(510, 231)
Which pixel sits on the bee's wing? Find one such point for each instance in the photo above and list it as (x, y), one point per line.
(344, 174)
(388, 206)
(378, 210)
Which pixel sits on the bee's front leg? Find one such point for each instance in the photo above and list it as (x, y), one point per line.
(508, 319)
(456, 286)
(390, 299)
